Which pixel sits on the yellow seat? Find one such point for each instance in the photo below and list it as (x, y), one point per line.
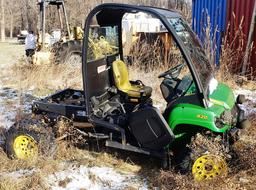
(132, 89)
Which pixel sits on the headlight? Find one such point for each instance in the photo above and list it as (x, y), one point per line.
(219, 123)
(227, 117)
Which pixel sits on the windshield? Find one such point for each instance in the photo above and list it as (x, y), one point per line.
(103, 41)
(198, 56)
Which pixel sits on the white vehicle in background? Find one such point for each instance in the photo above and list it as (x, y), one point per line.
(22, 36)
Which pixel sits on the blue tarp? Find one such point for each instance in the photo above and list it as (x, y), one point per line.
(213, 12)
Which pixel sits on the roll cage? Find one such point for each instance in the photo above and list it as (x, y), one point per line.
(111, 14)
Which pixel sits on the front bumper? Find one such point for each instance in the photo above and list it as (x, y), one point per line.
(241, 123)
(231, 118)
(241, 120)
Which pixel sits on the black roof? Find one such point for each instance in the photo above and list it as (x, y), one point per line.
(166, 12)
(51, 2)
(111, 13)
(161, 11)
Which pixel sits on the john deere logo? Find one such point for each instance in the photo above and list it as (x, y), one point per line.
(200, 116)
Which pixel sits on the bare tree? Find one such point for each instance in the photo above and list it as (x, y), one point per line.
(2, 20)
(23, 14)
(10, 8)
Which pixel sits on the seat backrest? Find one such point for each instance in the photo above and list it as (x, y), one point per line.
(150, 128)
(121, 75)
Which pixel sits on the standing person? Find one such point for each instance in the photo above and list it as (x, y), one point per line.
(30, 44)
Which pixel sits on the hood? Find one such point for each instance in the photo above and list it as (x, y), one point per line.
(222, 96)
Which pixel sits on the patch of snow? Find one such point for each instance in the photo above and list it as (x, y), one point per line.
(249, 94)
(18, 174)
(10, 103)
(94, 178)
(250, 105)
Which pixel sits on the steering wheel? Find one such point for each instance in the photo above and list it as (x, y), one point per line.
(173, 72)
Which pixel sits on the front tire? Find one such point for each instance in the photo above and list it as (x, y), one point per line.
(205, 158)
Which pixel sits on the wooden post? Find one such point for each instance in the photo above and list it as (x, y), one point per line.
(43, 23)
(60, 17)
(249, 42)
(66, 19)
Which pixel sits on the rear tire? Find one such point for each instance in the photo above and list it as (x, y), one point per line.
(63, 52)
(166, 162)
(27, 139)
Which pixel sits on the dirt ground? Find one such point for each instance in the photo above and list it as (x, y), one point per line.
(74, 168)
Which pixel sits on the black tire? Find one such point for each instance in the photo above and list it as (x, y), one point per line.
(183, 160)
(200, 145)
(35, 130)
(63, 51)
(166, 162)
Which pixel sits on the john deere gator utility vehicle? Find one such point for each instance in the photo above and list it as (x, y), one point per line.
(122, 114)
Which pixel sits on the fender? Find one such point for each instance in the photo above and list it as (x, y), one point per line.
(196, 116)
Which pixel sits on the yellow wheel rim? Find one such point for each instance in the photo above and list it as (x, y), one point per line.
(25, 147)
(208, 167)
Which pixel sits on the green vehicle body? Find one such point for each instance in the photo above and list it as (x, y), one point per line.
(200, 117)
(208, 109)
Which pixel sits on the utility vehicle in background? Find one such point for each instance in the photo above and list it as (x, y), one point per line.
(22, 36)
(121, 114)
(57, 42)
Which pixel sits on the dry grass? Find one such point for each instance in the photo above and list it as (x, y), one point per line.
(232, 55)
(41, 167)
(44, 79)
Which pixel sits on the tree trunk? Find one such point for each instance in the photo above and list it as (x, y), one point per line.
(2, 21)
(11, 26)
(249, 42)
(10, 11)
